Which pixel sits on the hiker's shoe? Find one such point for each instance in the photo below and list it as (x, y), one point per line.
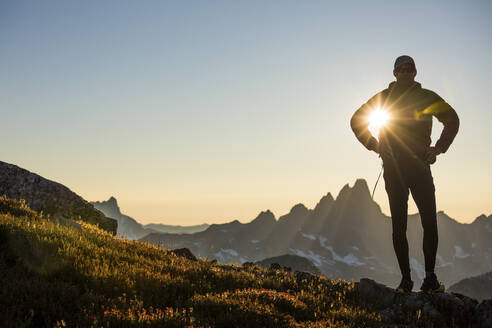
(405, 286)
(432, 285)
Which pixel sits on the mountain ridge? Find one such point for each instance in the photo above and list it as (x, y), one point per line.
(131, 229)
(347, 237)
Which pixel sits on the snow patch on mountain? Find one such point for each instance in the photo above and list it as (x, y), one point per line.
(315, 258)
(322, 241)
(229, 251)
(460, 253)
(224, 254)
(308, 236)
(441, 262)
(349, 259)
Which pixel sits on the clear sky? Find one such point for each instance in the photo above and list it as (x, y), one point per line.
(207, 111)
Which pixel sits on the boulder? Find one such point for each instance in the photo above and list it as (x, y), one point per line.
(483, 316)
(303, 276)
(184, 252)
(378, 294)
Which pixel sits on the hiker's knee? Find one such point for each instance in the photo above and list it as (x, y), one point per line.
(429, 222)
(399, 232)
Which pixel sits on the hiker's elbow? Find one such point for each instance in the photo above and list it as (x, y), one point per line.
(354, 121)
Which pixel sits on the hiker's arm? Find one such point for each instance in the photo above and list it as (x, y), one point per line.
(360, 125)
(448, 117)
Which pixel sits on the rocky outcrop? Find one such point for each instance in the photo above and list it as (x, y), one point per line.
(50, 197)
(440, 309)
(294, 262)
(184, 252)
(128, 227)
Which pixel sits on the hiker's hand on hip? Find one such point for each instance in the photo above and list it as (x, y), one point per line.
(431, 154)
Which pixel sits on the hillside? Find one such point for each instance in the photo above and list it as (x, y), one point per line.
(59, 274)
(77, 275)
(50, 197)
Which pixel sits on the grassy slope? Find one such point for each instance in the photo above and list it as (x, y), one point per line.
(54, 275)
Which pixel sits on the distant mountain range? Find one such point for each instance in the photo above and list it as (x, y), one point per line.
(293, 262)
(347, 237)
(129, 228)
(164, 228)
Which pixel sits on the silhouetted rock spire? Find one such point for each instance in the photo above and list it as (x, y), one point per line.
(324, 203)
(264, 217)
(360, 191)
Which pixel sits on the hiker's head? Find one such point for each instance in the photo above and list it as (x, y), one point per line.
(404, 69)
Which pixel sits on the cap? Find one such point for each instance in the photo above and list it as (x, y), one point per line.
(403, 60)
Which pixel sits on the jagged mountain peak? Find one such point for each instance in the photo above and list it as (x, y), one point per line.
(444, 215)
(328, 198)
(298, 209)
(443, 218)
(110, 207)
(360, 190)
(361, 184)
(324, 203)
(297, 212)
(482, 219)
(112, 200)
(264, 217)
(228, 225)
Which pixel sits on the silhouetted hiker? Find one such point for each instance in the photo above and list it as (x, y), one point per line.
(404, 146)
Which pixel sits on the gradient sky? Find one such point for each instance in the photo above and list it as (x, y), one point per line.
(207, 111)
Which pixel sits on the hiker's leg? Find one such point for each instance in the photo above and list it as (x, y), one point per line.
(423, 192)
(398, 201)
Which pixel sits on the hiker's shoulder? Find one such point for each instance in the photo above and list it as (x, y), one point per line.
(381, 95)
(430, 94)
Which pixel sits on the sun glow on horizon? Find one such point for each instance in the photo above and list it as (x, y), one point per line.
(378, 119)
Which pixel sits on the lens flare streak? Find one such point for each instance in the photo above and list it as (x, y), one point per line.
(378, 119)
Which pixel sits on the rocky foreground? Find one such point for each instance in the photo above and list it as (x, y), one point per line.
(444, 309)
(432, 310)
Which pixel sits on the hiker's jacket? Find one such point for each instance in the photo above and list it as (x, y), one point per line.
(407, 134)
